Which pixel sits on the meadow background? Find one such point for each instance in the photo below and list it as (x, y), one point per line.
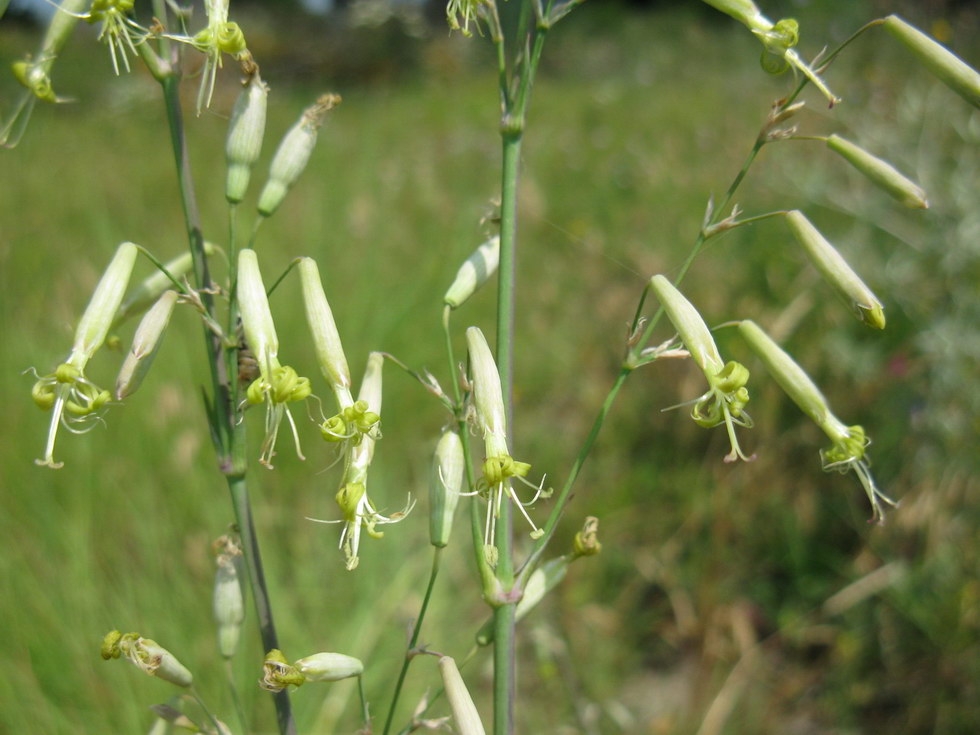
(728, 599)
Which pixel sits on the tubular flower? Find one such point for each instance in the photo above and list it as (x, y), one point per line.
(725, 400)
(118, 28)
(499, 468)
(147, 655)
(848, 450)
(277, 384)
(355, 505)
(72, 398)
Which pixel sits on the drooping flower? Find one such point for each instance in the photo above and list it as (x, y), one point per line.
(277, 384)
(148, 656)
(727, 396)
(358, 510)
(848, 450)
(73, 399)
(499, 468)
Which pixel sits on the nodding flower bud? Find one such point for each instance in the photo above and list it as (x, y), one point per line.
(260, 330)
(146, 342)
(836, 271)
(949, 68)
(329, 667)
(881, 173)
(228, 604)
(108, 295)
(245, 132)
(460, 702)
(727, 396)
(147, 291)
(445, 483)
(586, 541)
(326, 338)
(849, 443)
(293, 154)
(474, 272)
(147, 655)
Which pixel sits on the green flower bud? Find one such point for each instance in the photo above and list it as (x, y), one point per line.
(586, 541)
(949, 68)
(329, 667)
(228, 604)
(464, 711)
(837, 272)
(245, 132)
(445, 484)
(474, 272)
(108, 295)
(293, 154)
(148, 656)
(326, 338)
(146, 342)
(849, 443)
(880, 173)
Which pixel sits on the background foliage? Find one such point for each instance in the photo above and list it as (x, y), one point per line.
(717, 602)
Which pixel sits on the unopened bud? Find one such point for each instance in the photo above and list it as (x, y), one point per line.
(260, 330)
(148, 656)
(445, 483)
(245, 132)
(329, 667)
(836, 271)
(326, 338)
(947, 66)
(474, 272)
(586, 541)
(460, 702)
(146, 343)
(228, 605)
(293, 154)
(881, 173)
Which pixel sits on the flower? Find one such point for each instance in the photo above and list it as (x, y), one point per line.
(725, 400)
(499, 468)
(277, 384)
(357, 508)
(848, 450)
(72, 398)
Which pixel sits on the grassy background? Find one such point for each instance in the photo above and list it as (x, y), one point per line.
(713, 603)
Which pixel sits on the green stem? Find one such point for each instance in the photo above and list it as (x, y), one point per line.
(228, 433)
(207, 712)
(410, 652)
(565, 495)
(365, 711)
(235, 698)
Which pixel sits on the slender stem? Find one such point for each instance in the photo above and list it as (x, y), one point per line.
(565, 494)
(228, 433)
(235, 698)
(365, 710)
(207, 712)
(504, 659)
(410, 652)
(260, 594)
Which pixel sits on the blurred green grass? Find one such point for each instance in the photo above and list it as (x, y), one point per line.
(712, 587)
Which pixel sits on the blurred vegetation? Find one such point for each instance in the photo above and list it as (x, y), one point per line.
(734, 599)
